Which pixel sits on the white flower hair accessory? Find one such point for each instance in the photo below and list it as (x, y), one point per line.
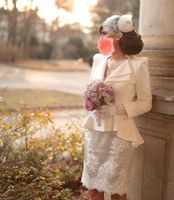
(125, 23)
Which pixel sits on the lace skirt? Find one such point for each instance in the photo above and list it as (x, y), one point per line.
(107, 162)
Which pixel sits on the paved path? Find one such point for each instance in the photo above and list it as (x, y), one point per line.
(65, 116)
(72, 82)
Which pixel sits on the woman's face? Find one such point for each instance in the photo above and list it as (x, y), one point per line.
(107, 33)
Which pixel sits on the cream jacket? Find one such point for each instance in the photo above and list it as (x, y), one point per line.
(131, 83)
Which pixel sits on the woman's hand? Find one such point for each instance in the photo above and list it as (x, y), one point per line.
(109, 110)
(105, 111)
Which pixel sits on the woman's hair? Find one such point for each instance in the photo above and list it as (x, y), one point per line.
(131, 43)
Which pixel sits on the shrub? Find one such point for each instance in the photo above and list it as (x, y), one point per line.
(37, 160)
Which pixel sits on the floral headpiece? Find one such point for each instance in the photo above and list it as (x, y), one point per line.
(123, 23)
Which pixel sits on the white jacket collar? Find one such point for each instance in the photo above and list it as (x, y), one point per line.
(122, 70)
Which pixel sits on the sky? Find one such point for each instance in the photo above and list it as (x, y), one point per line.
(48, 11)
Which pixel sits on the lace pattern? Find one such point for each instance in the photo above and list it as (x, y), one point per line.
(107, 161)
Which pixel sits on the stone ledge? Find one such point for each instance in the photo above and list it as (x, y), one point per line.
(163, 101)
(163, 94)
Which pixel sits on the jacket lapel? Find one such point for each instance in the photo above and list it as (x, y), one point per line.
(120, 74)
(100, 68)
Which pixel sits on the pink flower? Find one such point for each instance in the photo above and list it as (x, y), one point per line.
(97, 94)
(88, 105)
(102, 89)
(110, 91)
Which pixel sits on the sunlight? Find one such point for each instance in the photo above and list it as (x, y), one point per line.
(81, 12)
(10, 4)
(2, 2)
(49, 12)
(24, 5)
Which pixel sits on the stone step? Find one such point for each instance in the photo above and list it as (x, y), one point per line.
(161, 70)
(163, 101)
(162, 82)
(165, 57)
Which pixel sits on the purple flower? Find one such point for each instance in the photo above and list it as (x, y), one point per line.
(97, 94)
(88, 105)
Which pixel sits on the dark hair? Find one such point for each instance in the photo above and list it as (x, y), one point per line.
(131, 43)
(100, 29)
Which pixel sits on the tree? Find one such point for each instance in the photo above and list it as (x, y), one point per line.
(104, 9)
(55, 28)
(65, 4)
(60, 38)
(22, 26)
(75, 48)
(12, 22)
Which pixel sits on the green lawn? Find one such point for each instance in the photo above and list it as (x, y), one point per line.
(18, 98)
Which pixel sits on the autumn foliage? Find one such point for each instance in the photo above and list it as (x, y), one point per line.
(37, 160)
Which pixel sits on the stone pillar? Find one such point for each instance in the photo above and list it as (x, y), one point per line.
(152, 175)
(157, 30)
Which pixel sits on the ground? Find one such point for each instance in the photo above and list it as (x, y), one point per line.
(60, 91)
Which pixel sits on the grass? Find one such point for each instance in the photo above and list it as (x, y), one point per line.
(53, 65)
(14, 99)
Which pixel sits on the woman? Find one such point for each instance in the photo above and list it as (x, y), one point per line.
(109, 146)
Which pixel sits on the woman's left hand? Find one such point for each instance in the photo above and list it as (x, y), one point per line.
(109, 110)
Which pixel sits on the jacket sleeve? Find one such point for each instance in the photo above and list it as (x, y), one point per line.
(143, 101)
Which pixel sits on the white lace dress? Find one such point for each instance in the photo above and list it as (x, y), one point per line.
(107, 162)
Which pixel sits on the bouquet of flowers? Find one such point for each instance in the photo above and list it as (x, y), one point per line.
(98, 94)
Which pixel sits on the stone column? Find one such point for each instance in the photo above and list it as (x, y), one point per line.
(157, 30)
(153, 171)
